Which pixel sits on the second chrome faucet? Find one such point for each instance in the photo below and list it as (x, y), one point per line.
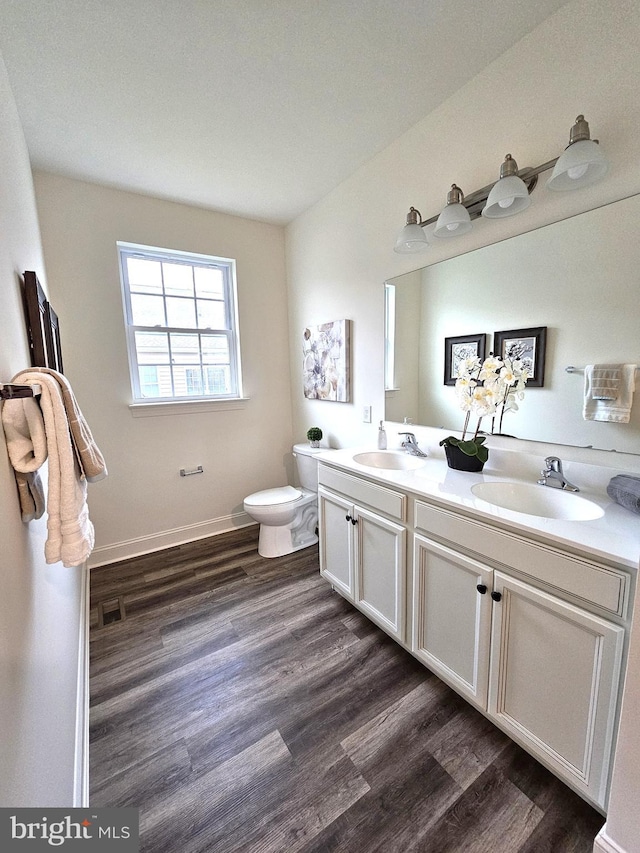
(553, 475)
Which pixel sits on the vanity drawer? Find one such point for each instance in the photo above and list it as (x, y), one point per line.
(603, 586)
(392, 504)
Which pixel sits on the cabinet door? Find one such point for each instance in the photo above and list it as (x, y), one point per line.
(554, 682)
(336, 541)
(380, 559)
(451, 617)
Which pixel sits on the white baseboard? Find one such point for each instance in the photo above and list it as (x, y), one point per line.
(81, 756)
(604, 844)
(167, 539)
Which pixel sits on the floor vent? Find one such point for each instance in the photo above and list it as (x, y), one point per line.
(110, 611)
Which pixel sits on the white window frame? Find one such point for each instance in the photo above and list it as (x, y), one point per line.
(390, 337)
(227, 266)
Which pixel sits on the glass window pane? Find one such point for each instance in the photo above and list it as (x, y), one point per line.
(217, 380)
(215, 349)
(193, 376)
(211, 315)
(185, 349)
(178, 279)
(209, 282)
(149, 386)
(144, 276)
(152, 347)
(181, 313)
(147, 310)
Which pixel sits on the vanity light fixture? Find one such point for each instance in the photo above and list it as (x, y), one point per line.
(454, 219)
(582, 163)
(412, 237)
(509, 195)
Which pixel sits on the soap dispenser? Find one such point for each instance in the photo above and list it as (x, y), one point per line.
(382, 437)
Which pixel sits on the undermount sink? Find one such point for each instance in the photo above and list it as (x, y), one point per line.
(542, 501)
(394, 460)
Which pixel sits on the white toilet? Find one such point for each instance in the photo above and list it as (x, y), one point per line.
(288, 516)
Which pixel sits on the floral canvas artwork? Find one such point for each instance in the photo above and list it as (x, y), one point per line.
(326, 358)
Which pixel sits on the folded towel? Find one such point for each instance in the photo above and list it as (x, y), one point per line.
(625, 490)
(605, 381)
(613, 411)
(24, 430)
(90, 459)
(70, 533)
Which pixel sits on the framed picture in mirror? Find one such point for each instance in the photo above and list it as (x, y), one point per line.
(457, 349)
(527, 345)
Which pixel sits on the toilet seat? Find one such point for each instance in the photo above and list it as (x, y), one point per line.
(274, 497)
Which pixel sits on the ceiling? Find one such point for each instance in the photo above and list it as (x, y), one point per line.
(253, 107)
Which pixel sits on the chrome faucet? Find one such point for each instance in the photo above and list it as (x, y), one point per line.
(553, 475)
(411, 445)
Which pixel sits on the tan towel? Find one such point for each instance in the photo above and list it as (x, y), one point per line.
(605, 381)
(70, 533)
(90, 459)
(31, 495)
(612, 411)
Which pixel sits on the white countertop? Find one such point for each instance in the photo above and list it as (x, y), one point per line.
(614, 538)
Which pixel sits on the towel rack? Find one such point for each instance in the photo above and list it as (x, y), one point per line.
(572, 369)
(11, 391)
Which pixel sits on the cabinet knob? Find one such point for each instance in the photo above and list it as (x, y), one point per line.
(348, 517)
(496, 595)
(481, 588)
(354, 521)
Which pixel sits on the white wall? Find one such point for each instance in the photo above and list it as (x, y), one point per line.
(584, 59)
(40, 605)
(144, 503)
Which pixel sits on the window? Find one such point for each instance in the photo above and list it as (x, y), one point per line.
(182, 327)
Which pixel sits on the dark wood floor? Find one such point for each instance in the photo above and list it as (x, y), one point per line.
(242, 705)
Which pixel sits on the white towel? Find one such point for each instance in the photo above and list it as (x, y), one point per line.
(617, 410)
(70, 534)
(24, 430)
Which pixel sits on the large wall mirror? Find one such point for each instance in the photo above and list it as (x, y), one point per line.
(578, 278)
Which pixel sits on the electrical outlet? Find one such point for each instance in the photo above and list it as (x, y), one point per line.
(366, 414)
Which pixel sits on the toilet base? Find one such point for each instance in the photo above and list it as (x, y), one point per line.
(282, 539)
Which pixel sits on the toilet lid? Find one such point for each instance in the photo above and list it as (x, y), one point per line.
(270, 497)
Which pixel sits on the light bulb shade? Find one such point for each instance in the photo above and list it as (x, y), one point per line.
(508, 196)
(453, 221)
(411, 239)
(579, 165)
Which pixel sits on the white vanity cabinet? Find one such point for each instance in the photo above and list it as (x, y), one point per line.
(363, 546)
(451, 617)
(531, 633)
(545, 668)
(555, 672)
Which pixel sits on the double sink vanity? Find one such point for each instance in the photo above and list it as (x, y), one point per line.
(517, 595)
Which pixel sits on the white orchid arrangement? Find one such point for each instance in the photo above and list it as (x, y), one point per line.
(486, 389)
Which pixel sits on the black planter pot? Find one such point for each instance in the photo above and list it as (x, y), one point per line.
(460, 461)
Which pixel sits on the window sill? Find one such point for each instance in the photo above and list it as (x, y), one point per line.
(185, 407)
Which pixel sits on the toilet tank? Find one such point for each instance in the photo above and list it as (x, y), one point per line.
(307, 465)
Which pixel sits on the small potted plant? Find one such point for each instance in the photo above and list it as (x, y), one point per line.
(488, 388)
(314, 434)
